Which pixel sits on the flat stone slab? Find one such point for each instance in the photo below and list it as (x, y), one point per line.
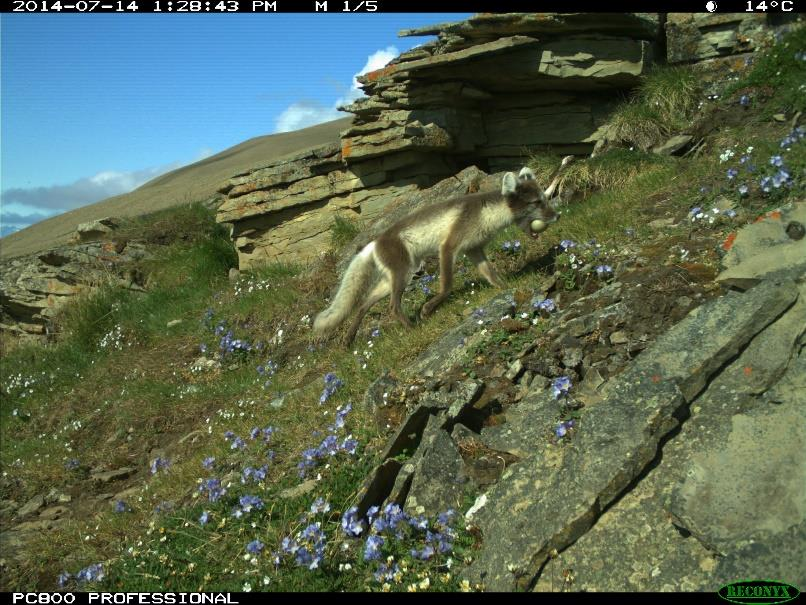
(739, 485)
(763, 250)
(113, 475)
(546, 501)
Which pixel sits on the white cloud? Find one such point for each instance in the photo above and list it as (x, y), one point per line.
(307, 113)
(22, 207)
(304, 114)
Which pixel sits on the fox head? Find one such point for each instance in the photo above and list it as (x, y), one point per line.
(527, 200)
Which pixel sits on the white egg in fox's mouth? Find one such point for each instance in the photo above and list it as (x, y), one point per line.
(537, 226)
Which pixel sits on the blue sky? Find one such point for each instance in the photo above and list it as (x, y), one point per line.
(96, 105)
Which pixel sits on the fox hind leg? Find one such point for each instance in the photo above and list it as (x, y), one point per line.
(396, 261)
(383, 288)
(478, 258)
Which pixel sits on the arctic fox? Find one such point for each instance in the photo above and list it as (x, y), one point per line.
(459, 225)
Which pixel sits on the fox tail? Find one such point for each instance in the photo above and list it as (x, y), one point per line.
(354, 283)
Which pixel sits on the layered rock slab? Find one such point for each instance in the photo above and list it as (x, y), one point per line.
(617, 439)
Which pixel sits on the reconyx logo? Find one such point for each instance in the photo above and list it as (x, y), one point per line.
(758, 592)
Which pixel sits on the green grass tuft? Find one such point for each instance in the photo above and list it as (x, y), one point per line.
(343, 231)
(663, 104)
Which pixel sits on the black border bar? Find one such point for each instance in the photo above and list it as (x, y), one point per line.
(399, 6)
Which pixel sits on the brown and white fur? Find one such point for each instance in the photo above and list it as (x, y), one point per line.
(459, 225)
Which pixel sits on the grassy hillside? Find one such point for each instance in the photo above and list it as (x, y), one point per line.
(245, 466)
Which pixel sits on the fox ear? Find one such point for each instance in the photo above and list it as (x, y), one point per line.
(526, 174)
(509, 185)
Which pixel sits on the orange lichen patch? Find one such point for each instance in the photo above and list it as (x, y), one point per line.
(108, 247)
(346, 148)
(372, 76)
(728, 243)
(656, 378)
(773, 214)
(747, 370)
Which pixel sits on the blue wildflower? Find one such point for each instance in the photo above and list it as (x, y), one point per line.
(158, 463)
(350, 523)
(320, 506)
(425, 554)
(250, 502)
(255, 547)
(547, 304)
(567, 243)
(603, 269)
(332, 383)
(204, 518)
(208, 463)
(92, 573)
(387, 573)
(561, 386)
(372, 548)
(732, 173)
(121, 507)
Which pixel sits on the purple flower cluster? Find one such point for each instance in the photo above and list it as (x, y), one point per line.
(229, 345)
(92, 573)
(547, 304)
(208, 463)
(567, 243)
(264, 434)
(393, 523)
(254, 474)
(561, 386)
(332, 384)
(351, 524)
(122, 507)
(268, 370)
(307, 547)
(387, 573)
(213, 488)
(793, 137)
(72, 464)
(511, 247)
(247, 505)
(604, 269)
(562, 428)
(255, 547)
(330, 445)
(237, 442)
(424, 281)
(158, 463)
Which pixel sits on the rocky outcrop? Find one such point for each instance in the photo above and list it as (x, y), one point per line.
(33, 288)
(692, 37)
(95, 230)
(485, 92)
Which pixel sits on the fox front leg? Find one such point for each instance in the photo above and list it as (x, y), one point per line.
(485, 267)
